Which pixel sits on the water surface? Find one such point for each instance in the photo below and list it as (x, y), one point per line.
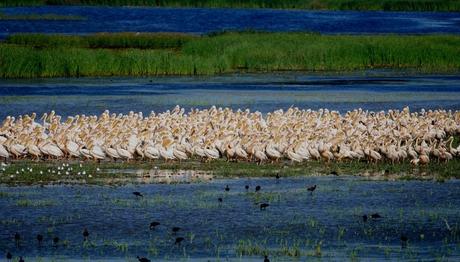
(265, 93)
(202, 20)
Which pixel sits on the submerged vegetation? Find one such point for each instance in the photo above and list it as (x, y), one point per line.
(28, 56)
(387, 5)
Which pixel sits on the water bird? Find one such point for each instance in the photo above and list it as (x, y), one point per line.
(334, 173)
(266, 259)
(220, 200)
(17, 238)
(311, 189)
(175, 229)
(55, 241)
(9, 255)
(258, 188)
(142, 259)
(179, 240)
(85, 234)
(376, 216)
(263, 206)
(39, 239)
(365, 218)
(21, 259)
(277, 176)
(246, 187)
(138, 194)
(227, 188)
(404, 240)
(154, 224)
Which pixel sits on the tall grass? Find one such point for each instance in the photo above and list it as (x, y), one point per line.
(396, 5)
(104, 40)
(232, 52)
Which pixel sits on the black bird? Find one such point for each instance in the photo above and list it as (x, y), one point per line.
(266, 259)
(138, 194)
(85, 234)
(55, 241)
(227, 188)
(142, 259)
(154, 224)
(175, 229)
(247, 187)
(404, 240)
(39, 239)
(17, 238)
(9, 256)
(220, 200)
(277, 175)
(179, 240)
(21, 259)
(258, 188)
(365, 218)
(311, 189)
(376, 216)
(263, 206)
(334, 173)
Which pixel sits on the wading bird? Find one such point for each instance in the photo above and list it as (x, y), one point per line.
(263, 206)
(154, 224)
(142, 259)
(138, 194)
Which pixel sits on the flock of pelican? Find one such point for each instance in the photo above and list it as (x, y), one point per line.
(294, 134)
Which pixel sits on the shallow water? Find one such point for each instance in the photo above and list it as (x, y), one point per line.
(370, 91)
(116, 219)
(201, 20)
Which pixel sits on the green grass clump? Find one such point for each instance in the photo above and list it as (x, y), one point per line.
(393, 5)
(29, 56)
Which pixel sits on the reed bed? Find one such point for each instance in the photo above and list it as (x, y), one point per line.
(41, 17)
(388, 5)
(226, 53)
(104, 40)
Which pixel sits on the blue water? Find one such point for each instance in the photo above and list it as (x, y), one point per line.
(200, 20)
(370, 91)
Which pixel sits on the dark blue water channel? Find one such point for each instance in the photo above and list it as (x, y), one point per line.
(427, 213)
(200, 20)
(265, 93)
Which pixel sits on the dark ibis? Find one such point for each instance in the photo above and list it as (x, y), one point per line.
(179, 240)
(227, 188)
(258, 188)
(17, 238)
(376, 216)
(154, 224)
(55, 241)
(21, 259)
(39, 239)
(9, 256)
(334, 173)
(247, 187)
(263, 206)
(143, 259)
(404, 240)
(365, 218)
(85, 234)
(138, 194)
(311, 189)
(175, 229)
(266, 259)
(220, 200)
(277, 176)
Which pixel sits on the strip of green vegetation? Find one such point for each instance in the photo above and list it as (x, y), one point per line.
(28, 172)
(104, 40)
(223, 53)
(41, 17)
(388, 5)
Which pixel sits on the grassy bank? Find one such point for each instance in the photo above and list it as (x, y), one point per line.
(28, 172)
(387, 5)
(41, 17)
(29, 56)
